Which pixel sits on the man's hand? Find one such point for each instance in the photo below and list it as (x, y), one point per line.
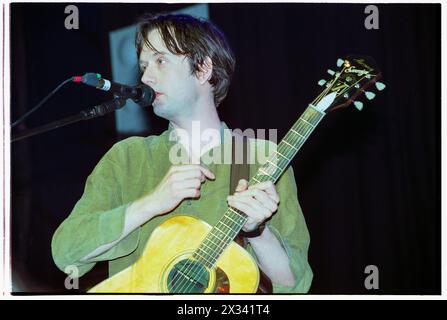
(258, 202)
(180, 182)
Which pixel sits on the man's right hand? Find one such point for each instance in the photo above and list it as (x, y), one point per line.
(179, 183)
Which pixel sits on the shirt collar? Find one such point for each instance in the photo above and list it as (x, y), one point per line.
(171, 136)
(170, 139)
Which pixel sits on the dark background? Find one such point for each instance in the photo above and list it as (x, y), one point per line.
(368, 182)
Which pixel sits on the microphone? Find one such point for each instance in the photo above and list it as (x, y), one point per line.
(140, 94)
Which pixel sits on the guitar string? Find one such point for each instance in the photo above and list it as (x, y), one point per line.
(310, 125)
(196, 268)
(311, 117)
(325, 91)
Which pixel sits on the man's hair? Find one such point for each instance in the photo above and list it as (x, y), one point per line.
(196, 39)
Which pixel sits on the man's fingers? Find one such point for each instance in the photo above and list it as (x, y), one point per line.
(190, 183)
(252, 207)
(207, 172)
(268, 200)
(248, 208)
(263, 198)
(194, 167)
(187, 175)
(189, 193)
(242, 185)
(269, 188)
(249, 197)
(263, 185)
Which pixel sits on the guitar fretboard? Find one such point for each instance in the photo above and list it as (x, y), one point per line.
(228, 227)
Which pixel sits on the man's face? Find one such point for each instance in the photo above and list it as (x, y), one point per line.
(170, 77)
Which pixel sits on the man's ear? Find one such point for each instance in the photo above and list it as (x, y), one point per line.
(205, 70)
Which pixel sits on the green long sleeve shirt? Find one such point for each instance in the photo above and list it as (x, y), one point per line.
(131, 169)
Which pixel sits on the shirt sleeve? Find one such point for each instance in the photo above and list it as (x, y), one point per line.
(289, 226)
(97, 219)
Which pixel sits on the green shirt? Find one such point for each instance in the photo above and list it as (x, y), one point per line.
(133, 168)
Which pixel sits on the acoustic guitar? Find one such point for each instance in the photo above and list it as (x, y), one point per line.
(211, 262)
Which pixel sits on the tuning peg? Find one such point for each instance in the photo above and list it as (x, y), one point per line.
(331, 72)
(321, 82)
(358, 105)
(345, 96)
(340, 62)
(357, 86)
(380, 86)
(370, 95)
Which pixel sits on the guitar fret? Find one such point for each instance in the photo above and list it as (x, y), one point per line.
(265, 173)
(227, 216)
(256, 180)
(208, 248)
(202, 250)
(209, 262)
(234, 211)
(204, 259)
(309, 116)
(275, 159)
(293, 147)
(209, 239)
(220, 242)
(215, 253)
(224, 237)
(229, 224)
(273, 164)
(297, 133)
(308, 122)
(282, 155)
(228, 227)
(209, 257)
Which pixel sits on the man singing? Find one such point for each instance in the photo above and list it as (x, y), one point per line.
(136, 186)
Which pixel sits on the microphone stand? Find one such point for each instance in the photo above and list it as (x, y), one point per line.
(87, 114)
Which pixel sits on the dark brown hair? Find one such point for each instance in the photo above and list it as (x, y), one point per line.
(196, 39)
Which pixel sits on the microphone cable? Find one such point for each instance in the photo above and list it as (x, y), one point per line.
(22, 118)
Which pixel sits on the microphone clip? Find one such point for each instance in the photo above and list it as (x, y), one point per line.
(117, 103)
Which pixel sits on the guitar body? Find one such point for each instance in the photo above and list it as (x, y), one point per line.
(168, 250)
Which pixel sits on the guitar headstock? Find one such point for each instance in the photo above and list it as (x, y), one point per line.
(354, 75)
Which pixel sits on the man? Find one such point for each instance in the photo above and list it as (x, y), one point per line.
(136, 186)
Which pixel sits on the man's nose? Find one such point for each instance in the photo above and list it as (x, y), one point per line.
(148, 77)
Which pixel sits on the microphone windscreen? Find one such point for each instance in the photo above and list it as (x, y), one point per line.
(146, 97)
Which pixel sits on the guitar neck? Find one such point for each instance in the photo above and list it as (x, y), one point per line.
(289, 146)
(228, 227)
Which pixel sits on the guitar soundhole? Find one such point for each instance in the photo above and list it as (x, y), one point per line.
(188, 276)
